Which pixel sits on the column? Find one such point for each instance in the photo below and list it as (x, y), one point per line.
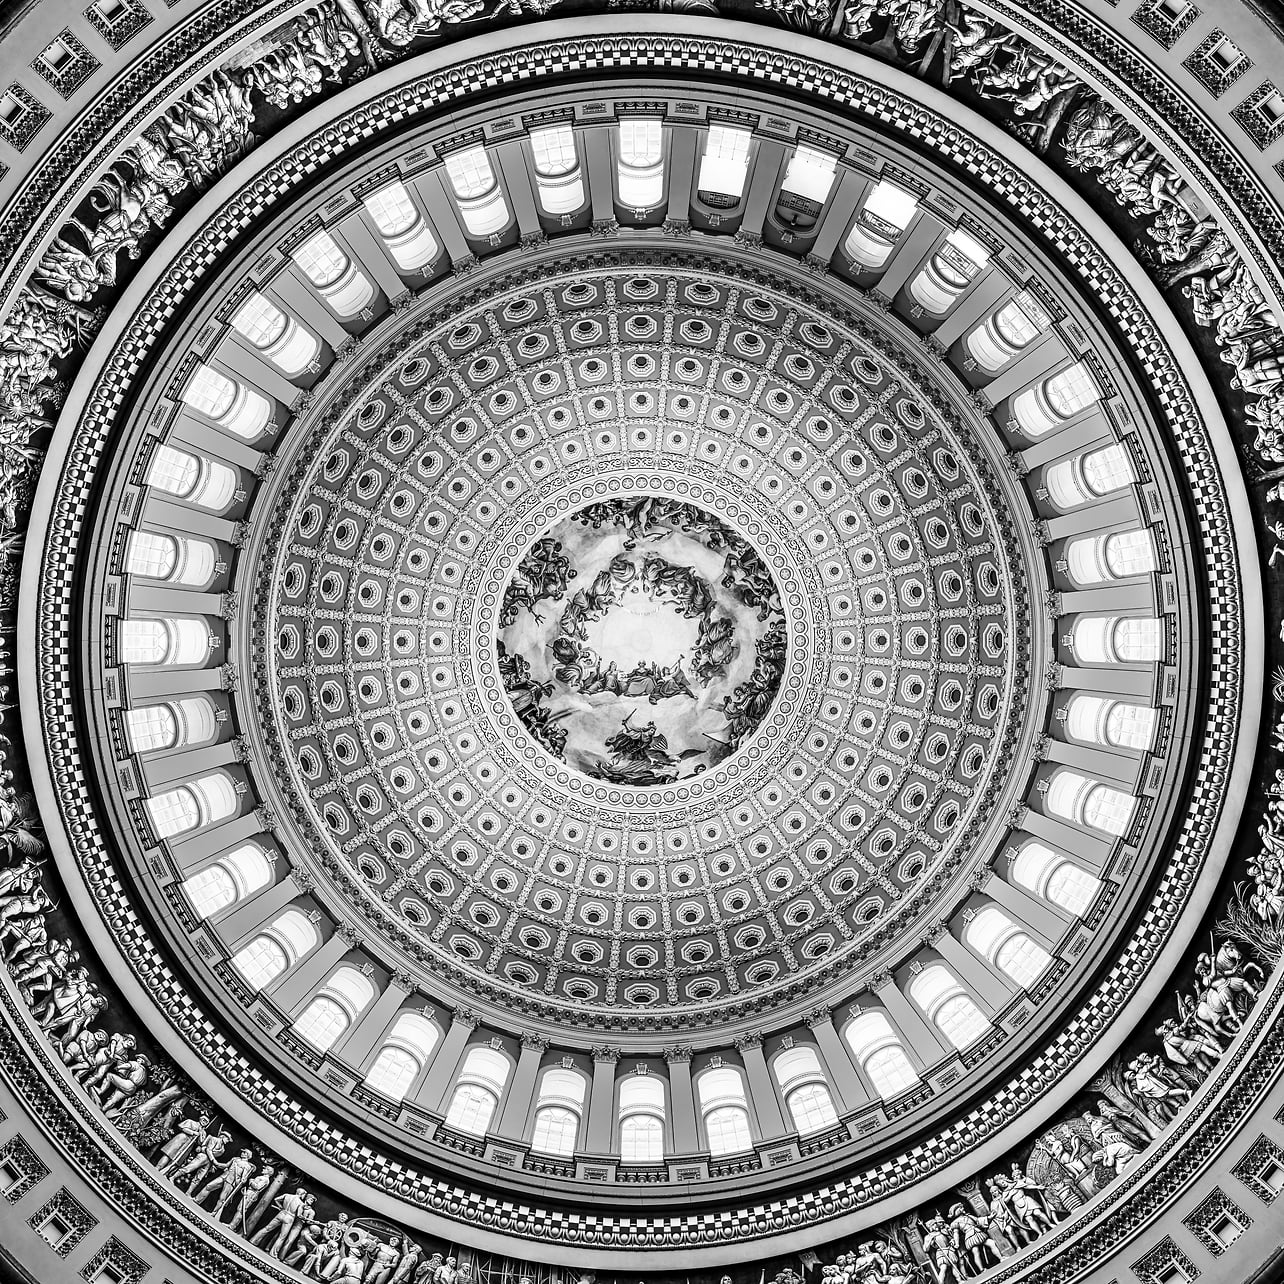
(1044, 921)
(848, 196)
(686, 1136)
(762, 1088)
(1135, 682)
(908, 252)
(441, 214)
(513, 165)
(992, 992)
(445, 1064)
(206, 845)
(987, 295)
(179, 766)
(297, 983)
(1084, 847)
(1113, 510)
(1110, 765)
(358, 1042)
(601, 1111)
(684, 140)
(763, 174)
(243, 921)
(600, 170)
(516, 1111)
(844, 1083)
(923, 1043)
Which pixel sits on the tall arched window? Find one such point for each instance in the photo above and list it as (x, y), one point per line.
(956, 263)
(234, 876)
(477, 191)
(725, 1111)
(558, 1108)
(228, 402)
(198, 803)
(1114, 639)
(199, 481)
(405, 1052)
(479, 1086)
(882, 219)
(948, 1006)
(809, 178)
(641, 1120)
(278, 947)
(877, 1049)
(1098, 559)
(334, 1008)
(1081, 800)
(640, 171)
(175, 559)
(338, 280)
(1055, 877)
(174, 724)
(995, 937)
(724, 166)
(802, 1081)
(164, 641)
(1089, 476)
(558, 178)
(1054, 400)
(1006, 332)
(401, 227)
(1118, 723)
(278, 336)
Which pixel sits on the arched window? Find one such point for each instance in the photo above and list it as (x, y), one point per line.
(1014, 952)
(948, 1006)
(479, 195)
(802, 1081)
(176, 724)
(402, 228)
(877, 1049)
(1097, 559)
(1081, 800)
(168, 641)
(1055, 399)
(477, 1095)
(335, 1007)
(1120, 723)
(231, 878)
(1006, 332)
(228, 402)
(280, 338)
(289, 937)
(809, 177)
(404, 1054)
(1113, 639)
(558, 178)
(337, 279)
(176, 559)
(557, 1112)
(202, 482)
(640, 171)
(201, 802)
(1055, 877)
(956, 263)
(150, 728)
(1088, 477)
(725, 1111)
(641, 1120)
(882, 219)
(724, 166)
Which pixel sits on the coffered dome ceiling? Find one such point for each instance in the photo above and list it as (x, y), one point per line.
(640, 644)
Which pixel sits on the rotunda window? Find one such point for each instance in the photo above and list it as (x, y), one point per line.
(948, 1006)
(403, 230)
(886, 214)
(877, 1049)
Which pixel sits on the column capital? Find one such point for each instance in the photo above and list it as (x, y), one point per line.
(605, 1053)
(466, 1017)
(748, 1040)
(936, 931)
(880, 980)
(536, 1042)
(818, 1016)
(402, 981)
(681, 1052)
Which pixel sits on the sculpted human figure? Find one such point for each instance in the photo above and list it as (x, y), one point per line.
(235, 1173)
